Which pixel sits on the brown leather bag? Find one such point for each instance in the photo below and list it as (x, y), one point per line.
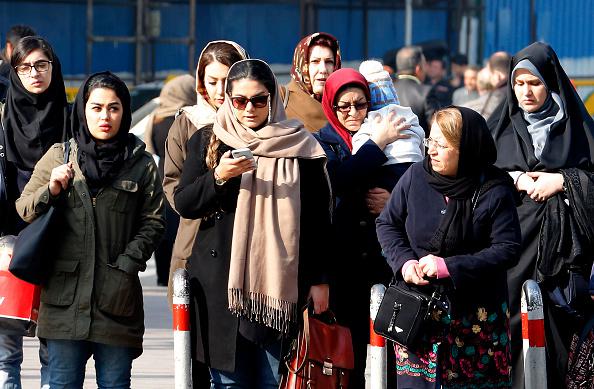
(322, 357)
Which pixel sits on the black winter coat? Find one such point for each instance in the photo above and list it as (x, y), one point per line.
(214, 328)
(8, 190)
(357, 257)
(478, 273)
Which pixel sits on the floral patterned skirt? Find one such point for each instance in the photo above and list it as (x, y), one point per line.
(467, 350)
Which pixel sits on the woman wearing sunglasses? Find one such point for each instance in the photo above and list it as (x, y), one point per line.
(35, 116)
(257, 256)
(360, 264)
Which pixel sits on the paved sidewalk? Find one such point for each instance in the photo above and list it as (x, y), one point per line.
(153, 369)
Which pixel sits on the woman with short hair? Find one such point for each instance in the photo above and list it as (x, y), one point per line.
(452, 221)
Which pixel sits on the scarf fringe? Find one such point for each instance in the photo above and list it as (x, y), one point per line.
(260, 308)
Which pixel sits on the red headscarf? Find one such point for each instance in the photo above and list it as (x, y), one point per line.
(334, 84)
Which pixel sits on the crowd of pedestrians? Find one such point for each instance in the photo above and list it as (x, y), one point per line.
(351, 178)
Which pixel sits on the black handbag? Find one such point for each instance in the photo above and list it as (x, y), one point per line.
(404, 313)
(569, 292)
(29, 259)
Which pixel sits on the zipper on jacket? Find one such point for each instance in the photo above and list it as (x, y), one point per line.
(94, 199)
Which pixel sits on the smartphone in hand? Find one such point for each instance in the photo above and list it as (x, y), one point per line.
(244, 152)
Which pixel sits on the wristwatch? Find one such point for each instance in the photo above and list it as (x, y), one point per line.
(218, 180)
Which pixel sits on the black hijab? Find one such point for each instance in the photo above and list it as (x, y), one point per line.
(100, 162)
(570, 142)
(34, 122)
(476, 174)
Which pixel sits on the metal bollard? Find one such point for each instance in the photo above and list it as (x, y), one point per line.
(181, 330)
(375, 366)
(533, 336)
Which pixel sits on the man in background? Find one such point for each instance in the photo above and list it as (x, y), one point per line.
(458, 66)
(498, 65)
(468, 91)
(410, 67)
(436, 77)
(14, 34)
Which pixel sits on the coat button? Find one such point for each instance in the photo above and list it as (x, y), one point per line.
(363, 223)
(364, 255)
(213, 253)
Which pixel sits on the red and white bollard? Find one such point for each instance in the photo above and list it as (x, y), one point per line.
(181, 330)
(533, 336)
(376, 367)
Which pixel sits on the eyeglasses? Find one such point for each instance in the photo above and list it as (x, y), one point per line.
(40, 66)
(241, 102)
(346, 108)
(427, 142)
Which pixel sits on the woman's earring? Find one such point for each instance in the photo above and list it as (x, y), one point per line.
(269, 110)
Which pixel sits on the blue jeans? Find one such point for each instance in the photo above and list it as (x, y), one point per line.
(255, 367)
(68, 359)
(11, 358)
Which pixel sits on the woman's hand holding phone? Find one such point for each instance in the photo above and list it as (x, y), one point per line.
(230, 167)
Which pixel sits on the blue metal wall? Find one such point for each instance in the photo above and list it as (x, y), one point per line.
(271, 31)
(64, 25)
(267, 31)
(566, 25)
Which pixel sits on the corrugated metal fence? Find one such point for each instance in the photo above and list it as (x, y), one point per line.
(270, 31)
(267, 31)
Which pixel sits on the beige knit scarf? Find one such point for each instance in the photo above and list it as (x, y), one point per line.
(265, 247)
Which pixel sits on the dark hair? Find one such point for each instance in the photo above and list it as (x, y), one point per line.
(459, 59)
(408, 58)
(499, 62)
(222, 52)
(18, 32)
(252, 69)
(27, 45)
(345, 87)
(109, 81)
(323, 41)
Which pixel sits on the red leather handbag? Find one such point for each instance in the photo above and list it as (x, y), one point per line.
(322, 356)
